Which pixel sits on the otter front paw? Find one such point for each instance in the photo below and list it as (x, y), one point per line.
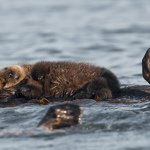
(29, 92)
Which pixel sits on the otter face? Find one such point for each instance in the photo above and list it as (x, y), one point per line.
(40, 70)
(38, 75)
(11, 76)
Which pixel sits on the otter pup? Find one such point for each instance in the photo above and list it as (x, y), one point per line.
(146, 66)
(13, 74)
(69, 80)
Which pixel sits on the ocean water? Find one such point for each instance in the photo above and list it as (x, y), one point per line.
(113, 34)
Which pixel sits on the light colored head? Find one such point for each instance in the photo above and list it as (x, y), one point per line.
(11, 76)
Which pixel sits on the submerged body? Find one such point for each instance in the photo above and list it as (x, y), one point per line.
(59, 116)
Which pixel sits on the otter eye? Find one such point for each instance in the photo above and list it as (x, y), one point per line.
(10, 75)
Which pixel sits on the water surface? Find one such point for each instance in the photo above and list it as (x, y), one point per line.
(113, 34)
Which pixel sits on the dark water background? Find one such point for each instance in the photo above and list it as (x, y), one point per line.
(110, 33)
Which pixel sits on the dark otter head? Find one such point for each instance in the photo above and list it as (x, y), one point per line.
(60, 116)
(11, 76)
(146, 66)
(40, 70)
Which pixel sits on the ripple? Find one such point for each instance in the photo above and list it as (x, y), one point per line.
(48, 51)
(129, 30)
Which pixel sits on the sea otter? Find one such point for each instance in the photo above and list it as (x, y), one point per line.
(57, 80)
(13, 74)
(69, 80)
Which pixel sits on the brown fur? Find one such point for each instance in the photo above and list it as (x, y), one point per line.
(13, 74)
(146, 66)
(68, 79)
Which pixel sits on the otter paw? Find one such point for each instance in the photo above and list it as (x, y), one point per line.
(28, 92)
(24, 91)
(59, 116)
(5, 99)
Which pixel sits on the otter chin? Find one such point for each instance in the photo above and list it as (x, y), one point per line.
(12, 75)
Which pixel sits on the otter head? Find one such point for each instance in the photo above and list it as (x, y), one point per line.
(11, 76)
(39, 71)
(146, 66)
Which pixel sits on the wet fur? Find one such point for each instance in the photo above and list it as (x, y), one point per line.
(70, 80)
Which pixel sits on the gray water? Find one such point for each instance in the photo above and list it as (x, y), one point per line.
(110, 33)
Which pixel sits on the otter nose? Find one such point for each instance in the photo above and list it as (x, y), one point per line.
(16, 76)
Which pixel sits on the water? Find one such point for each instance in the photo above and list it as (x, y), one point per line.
(114, 34)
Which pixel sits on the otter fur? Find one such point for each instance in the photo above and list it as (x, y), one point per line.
(69, 80)
(60, 116)
(146, 66)
(13, 74)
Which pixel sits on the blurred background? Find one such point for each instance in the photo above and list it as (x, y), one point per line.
(113, 34)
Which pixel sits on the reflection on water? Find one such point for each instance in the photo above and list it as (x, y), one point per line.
(113, 34)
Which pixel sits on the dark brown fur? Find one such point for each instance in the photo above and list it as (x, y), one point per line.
(146, 66)
(70, 80)
(59, 116)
